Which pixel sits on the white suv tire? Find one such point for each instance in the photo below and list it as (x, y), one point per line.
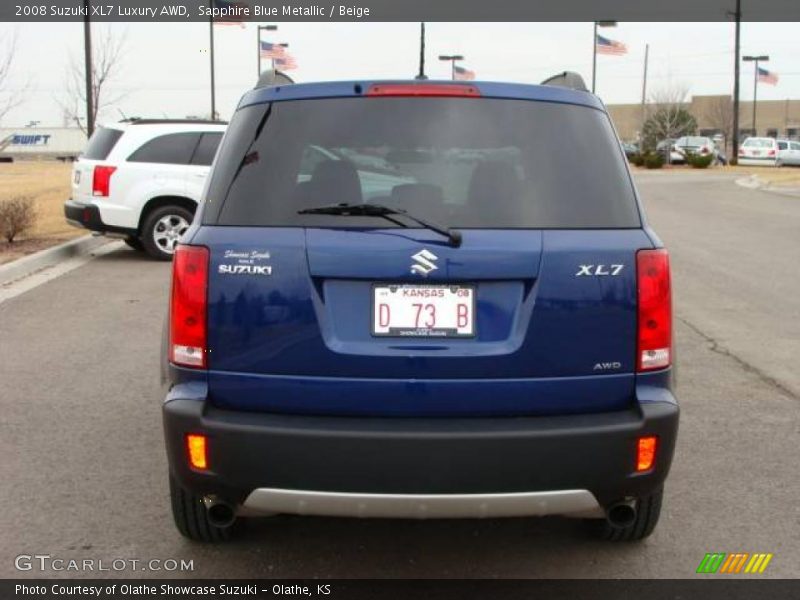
(163, 229)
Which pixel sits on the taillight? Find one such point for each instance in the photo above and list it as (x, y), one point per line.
(646, 453)
(197, 450)
(188, 309)
(741, 152)
(654, 349)
(423, 89)
(704, 150)
(771, 153)
(101, 181)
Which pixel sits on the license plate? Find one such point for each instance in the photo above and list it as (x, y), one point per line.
(756, 152)
(423, 310)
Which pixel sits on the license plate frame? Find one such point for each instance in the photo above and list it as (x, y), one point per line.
(425, 333)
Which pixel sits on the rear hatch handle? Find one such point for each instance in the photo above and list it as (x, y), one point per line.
(366, 209)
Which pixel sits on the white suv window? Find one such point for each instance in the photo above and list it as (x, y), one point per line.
(172, 149)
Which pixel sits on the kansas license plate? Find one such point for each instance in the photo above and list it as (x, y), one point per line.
(423, 310)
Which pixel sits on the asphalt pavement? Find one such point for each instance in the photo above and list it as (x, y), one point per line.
(84, 469)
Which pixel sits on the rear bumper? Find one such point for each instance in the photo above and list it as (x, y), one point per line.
(764, 161)
(420, 467)
(88, 217)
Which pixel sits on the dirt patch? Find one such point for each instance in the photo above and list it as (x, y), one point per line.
(18, 249)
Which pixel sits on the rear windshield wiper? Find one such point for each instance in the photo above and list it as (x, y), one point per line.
(376, 210)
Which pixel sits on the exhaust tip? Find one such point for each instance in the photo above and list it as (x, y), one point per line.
(220, 514)
(621, 514)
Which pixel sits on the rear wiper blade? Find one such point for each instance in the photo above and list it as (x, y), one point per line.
(377, 210)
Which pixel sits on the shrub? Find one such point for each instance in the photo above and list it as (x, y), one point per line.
(653, 160)
(17, 215)
(699, 161)
(638, 159)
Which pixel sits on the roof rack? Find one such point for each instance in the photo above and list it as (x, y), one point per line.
(272, 77)
(140, 121)
(567, 79)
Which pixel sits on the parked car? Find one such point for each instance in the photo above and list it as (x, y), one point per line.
(670, 152)
(141, 181)
(490, 338)
(631, 149)
(759, 151)
(788, 153)
(698, 145)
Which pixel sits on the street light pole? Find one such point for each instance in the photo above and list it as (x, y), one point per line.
(87, 61)
(259, 29)
(594, 48)
(452, 58)
(735, 140)
(755, 60)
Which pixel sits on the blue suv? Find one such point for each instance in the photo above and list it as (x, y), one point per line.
(420, 299)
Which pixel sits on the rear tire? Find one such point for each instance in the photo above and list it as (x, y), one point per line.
(162, 230)
(191, 517)
(135, 243)
(648, 511)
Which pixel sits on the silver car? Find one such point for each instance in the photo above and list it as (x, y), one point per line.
(788, 152)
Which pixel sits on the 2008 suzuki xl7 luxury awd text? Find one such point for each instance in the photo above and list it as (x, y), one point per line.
(419, 299)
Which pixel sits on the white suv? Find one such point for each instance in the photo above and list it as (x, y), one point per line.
(141, 180)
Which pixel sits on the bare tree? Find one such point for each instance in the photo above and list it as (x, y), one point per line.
(719, 114)
(667, 115)
(108, 53)
(9, 97)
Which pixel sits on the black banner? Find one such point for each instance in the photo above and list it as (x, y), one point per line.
(395, 10)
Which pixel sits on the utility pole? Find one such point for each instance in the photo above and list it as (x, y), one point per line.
(755, 60)
(644, 93)
(735, 150)
(89, 71)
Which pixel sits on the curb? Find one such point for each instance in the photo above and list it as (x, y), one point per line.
(27, 265)
(754, 182)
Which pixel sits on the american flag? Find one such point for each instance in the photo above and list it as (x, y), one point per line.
(269, 50)
(285, 63)
(607, 46)
(765, 76)
(460, 73)
(232, 6)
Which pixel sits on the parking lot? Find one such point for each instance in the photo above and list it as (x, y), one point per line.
(85, 470)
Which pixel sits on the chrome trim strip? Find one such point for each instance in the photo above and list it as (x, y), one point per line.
(421, 506)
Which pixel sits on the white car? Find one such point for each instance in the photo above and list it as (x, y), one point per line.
(141, 180)
(788, 152)
(759, 151)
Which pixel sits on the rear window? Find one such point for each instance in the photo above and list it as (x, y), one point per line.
(759, 143)
(693, 141)
(461, 162)
(173, 149)
(101, 143)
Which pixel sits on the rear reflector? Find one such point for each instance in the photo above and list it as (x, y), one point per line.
(197, 451)
(646, 453)
(101, 180)
(423, 89)
(188, 308)
(654, 349)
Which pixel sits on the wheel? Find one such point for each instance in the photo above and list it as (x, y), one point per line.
(648, 510)
(191, 517)
(135, 243)
(162, 230)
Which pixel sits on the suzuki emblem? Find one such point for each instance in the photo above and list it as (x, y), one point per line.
(424, 262)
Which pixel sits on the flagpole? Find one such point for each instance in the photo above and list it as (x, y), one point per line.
(87, 57)
(211, 56)
(735, 142)
(644, 90)
(755, 95)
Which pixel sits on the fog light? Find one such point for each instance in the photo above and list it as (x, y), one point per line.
(646, 453)
(197, 447)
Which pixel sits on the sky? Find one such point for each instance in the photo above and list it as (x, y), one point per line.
(165, 67)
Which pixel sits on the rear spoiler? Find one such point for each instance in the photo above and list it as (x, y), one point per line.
(271, 78)
(567, 79)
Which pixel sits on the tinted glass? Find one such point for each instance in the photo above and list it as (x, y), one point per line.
(782, 145)
(206, 149)
(462, 162)
(795, 146)
(174, 149)
(101, 143)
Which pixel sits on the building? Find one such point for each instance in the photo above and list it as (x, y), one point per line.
(714, 114)
(63, 143)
